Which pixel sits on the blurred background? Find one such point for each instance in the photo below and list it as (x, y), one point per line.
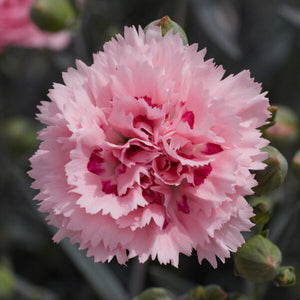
(259, 35)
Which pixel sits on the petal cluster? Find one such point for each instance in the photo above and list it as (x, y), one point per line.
(148, 152)
(17, 29)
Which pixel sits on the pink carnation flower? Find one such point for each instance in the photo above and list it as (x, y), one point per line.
(17, 29)
(147, 152)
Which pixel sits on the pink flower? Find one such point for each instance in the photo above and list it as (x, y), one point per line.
(147, 152)
(17, 29)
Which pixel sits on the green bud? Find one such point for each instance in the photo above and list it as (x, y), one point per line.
(262, 209)
(52, 15)
(285, 276)
(198, 293)
(155, 294)
(7, 282)
(273, 175)
(296, 164)
(167, 24)
(19, 135)
(258, 260)
(285, 130)
(215, 292)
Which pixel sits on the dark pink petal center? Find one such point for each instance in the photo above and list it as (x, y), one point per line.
(145, 181)
(143, 123)
(212, 148)
(201, 173)
(95, 162)
(189, 117)
(132, 151)
(163, 163)
(122, 169)
(153, 196)
(183, 206)
(166, 222)
(109, 188)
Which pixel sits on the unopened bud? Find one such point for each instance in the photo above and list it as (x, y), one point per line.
(273, 175)
(262, 209)
(215, 292)
(285, 276)
(285, 130)
(155, 294)
(167, 24)
(18, 135)
(237, 296)
(52, 15)
(258, 260)
(209, 292)
(296, 164)
(198, 293)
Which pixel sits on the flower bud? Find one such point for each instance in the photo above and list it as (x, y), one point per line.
(258, 260)
(273, 175)
(296, 164)
(155, 294)
(215, 292)
(285, 130)
(52, 15)
(237, 296)
(285, 276)
(262, 209)
(198, 293)
(210, 292)
(18, 135)
(167, 24)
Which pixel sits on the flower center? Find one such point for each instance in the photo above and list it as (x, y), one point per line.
(152, 166)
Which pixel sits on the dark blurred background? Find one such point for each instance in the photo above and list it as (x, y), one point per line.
(259, 35)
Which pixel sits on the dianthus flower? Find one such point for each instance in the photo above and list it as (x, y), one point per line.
(17, 29)
(147, 152)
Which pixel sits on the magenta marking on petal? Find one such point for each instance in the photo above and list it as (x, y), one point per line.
(183, 206)
(109, 188)
(201, 173)
(148, 101)
(189, 117)
(212, 148)
(94, 164)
